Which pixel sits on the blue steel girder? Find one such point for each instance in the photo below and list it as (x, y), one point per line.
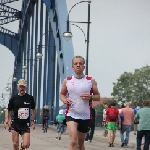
(57, 11)
(9, 39)
(27, 7)
(9, 33)
(9, 13)
(8, 9)
(7, 20)
(7, 1)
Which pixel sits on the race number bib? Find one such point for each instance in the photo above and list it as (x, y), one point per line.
(23, 113)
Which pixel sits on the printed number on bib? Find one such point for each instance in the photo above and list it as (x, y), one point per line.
(23, 113)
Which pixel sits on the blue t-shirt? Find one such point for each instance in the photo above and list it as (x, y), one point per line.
(136, 110)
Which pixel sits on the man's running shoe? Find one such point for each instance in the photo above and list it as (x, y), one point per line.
(22, 148)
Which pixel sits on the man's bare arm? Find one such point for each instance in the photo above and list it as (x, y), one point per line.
(33, 114)
(7, 115)
(63, 93)
(96, 94)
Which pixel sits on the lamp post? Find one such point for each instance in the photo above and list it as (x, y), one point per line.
(68, 35)
(8, 89)
(2, 115)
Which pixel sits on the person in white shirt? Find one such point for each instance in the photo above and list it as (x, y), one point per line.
(81, 90)
(104, 119)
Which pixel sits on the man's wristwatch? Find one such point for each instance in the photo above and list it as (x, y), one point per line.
(32, 120)
(91, 97)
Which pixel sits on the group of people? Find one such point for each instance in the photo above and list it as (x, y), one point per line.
(122, 119)
(77, 92)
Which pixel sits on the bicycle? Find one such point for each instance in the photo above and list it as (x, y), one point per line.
(45, 124)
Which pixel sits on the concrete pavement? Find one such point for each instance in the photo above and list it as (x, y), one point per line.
(99, 134)
(47, 141)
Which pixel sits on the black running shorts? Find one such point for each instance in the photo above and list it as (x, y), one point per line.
(20, 127)
(83, 125)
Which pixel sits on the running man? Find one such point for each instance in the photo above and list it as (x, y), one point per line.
(21, 104)
(81, 90)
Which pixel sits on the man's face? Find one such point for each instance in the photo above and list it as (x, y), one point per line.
(106, 106)
(22, 89)
(78, 65)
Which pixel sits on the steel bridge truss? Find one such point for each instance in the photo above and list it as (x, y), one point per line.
(41, 26)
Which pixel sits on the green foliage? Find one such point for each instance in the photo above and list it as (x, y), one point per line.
(133, 87)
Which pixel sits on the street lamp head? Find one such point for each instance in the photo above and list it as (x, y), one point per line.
(2, 98)
(14, 79)
(24, 67)
(67, 35)
(39, 55)
(7, 88)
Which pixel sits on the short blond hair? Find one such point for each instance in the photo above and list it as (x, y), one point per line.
(78, 57)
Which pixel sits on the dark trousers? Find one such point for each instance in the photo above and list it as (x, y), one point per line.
(90, 133)
(140, 135)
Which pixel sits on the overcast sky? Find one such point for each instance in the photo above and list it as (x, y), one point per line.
(119, 40)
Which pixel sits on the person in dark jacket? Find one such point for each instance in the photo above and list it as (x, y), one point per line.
(90, 133)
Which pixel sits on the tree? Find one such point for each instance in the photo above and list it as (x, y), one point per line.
(100, 107)
(133, 87)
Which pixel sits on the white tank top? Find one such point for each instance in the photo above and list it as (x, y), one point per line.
(80, 109)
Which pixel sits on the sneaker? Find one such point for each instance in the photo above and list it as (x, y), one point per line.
(134, 133)
(126, 146)
(59, 138)
(90, 141)
(112, 145)
(109, 145)
(22, 148)
(122, 145)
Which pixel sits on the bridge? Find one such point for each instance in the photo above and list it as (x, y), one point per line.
(42, 55)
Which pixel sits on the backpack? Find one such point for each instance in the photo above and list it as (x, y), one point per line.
(112, 115)
(45, 112)
(136, 110)
(122, 117)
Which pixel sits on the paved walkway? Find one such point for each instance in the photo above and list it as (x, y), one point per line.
(47, 141)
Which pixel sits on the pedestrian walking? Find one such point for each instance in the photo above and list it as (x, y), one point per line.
(126, 124)
(21, 104)
(143, 130)
(45, 116)
(136, 109)
(113, 123)
(121, 114)
(104, 119)
(81, 90)
(60, 124)
(90, 133)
